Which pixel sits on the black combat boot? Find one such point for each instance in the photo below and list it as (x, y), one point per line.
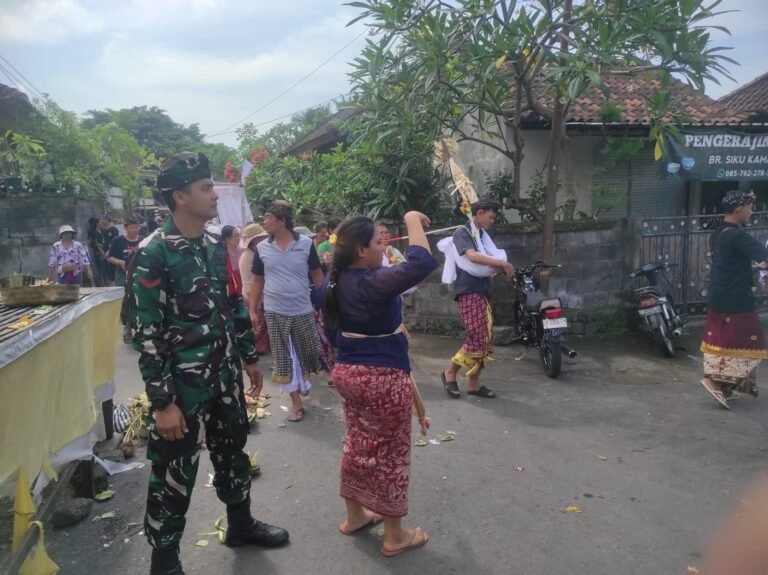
(166, 562)
(245, 530)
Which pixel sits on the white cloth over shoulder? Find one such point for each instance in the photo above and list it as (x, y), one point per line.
(484, 246)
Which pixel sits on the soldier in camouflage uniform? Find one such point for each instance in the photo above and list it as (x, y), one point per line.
(193, 339)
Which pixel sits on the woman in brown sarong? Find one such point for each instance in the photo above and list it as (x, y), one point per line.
(363, 308)
(734, 342)
(249, 239)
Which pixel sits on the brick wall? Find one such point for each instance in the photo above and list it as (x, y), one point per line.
(595, 256)
(29, 226)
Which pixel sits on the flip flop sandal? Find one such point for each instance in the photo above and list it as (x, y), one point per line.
(296, 416)
(717, 395)
(451, 387)
(483, 392)
(419, 540)
(375, 521)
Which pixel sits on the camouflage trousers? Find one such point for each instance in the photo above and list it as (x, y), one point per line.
(222, 422)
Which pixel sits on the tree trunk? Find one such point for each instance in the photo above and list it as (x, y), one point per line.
(555, 147)
(569, 208)
(550, 200)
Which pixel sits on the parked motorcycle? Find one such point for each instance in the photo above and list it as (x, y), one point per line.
(540, 322)
(656, 308)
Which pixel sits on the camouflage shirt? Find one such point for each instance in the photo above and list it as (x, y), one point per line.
(191, 336)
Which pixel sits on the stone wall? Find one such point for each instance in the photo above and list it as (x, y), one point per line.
(29, 225)
(596, 257)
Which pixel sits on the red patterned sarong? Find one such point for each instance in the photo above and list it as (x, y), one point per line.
(733, 346)
(375, 466)
(475, 311)
(260, 332)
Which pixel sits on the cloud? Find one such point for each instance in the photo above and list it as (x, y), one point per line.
(51, 22)
(216, 90)
(133, 62)
(46, 21)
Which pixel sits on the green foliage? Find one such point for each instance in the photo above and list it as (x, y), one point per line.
(84, 160)
(537, 193)
(609, 113)
(152, 127)
(500, 186)
(362, 178)
(18, 154)
(161, 136)
(340, 182)
(466, 67)
(613, 321)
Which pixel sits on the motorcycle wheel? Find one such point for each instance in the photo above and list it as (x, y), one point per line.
(664, 340)
(519, 315)
(551, 358)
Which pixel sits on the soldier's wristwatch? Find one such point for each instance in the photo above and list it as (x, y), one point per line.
(160, 403)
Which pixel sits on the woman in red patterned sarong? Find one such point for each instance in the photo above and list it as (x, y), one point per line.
(734, 343)
(363, 309)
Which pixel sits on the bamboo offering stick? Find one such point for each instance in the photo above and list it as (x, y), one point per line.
(390, 240)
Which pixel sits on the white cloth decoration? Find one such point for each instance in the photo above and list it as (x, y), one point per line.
(484, 246)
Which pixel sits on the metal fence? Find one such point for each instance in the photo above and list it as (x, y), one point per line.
(683, 241)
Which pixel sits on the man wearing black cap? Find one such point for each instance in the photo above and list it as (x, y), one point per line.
(193, 341)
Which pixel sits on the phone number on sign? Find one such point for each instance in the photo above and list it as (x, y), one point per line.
(745, 173)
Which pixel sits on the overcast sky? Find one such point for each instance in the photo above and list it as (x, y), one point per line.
(214, 62)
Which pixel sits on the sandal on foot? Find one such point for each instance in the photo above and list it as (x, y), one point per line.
(716, 394)
(375, 520)
(419, 539)
(482, 392)
(451, 387)
(296, 416)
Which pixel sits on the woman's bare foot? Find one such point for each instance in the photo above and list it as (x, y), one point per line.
(408, 539)
(350, 526)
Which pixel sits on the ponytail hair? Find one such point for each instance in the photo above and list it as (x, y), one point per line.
(353, 233)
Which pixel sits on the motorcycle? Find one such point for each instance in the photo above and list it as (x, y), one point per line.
(656, 308)
(540, 322)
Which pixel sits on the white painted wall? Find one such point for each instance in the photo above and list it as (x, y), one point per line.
(480, 161)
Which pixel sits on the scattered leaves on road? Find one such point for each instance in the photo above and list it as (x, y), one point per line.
(573, 509)
(107, 515)
(202, 543)
(105, 495)
(421, 442)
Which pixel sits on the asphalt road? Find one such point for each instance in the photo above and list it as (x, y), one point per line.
(624, 435)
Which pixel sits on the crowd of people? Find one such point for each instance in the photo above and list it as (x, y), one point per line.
(202, 306)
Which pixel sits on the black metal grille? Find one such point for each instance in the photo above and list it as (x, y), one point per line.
(684, 242)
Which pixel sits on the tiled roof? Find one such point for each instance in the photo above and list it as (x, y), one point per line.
(15, 108)
(327, 133)
(752, 97)
(629, 94)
